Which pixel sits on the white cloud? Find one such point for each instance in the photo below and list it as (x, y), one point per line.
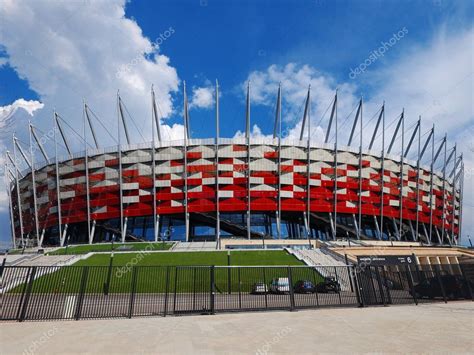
(434, 81)
(3, 192)
(3, 61)
(255, 133)
(30, 106)
(20, 110)
(73, 50)
(202, 97)
(68, 51)
(295, 80)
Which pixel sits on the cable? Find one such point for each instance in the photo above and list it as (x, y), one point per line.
(344, 122)
(67, 124)
(133, 121)
(100, 122)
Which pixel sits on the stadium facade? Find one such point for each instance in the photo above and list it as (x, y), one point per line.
(208, 189)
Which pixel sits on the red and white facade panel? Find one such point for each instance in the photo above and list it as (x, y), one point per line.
(246, 177)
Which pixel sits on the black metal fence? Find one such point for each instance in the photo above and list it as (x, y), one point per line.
(77, 292)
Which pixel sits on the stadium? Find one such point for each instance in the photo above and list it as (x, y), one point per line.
(242, 188)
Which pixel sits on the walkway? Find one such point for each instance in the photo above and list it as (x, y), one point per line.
(430, 328)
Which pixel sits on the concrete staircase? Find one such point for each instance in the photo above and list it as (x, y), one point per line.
(195, 246)
(325, 264)
(50, 260)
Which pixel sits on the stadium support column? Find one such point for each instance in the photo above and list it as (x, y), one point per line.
(32, 157)
(335, 172)
(10, 202)
(382, 182)
(119, 151)
(359, 226)
(443, 210)
(401, 176)
(349, 143)
(434, 158)
(326, 140)
(86, 163)
(185, 168)
(278, 122)
(18, 195)
(43, 152)
(453, 199)
(308, 164)
(154, 120)
(461, 197)
(418, 161)
(422, 153)
(430, 234)
(247, 136)
(398, 233)
(371, 144)
(58, 187)
(218, 213)
(405, 155)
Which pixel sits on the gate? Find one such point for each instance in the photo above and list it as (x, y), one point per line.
(193, 289)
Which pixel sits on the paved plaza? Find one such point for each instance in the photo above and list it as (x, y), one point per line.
(427, 328)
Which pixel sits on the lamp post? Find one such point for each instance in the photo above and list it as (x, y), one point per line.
(109, 274)
(3, 263)
(67, 243)
(228, 272)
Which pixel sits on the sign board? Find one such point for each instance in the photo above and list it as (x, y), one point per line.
(386, 260)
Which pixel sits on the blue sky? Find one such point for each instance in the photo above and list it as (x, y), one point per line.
(82, 46)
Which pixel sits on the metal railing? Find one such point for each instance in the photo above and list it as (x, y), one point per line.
(82, 292)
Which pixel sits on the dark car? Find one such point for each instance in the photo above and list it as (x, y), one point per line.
(454, 287)
(304, 286)
(329, 284)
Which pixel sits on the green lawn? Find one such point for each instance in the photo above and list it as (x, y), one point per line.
(273, 257)
(156, 272)
(107, 248)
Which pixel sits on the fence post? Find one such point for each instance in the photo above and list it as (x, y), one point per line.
(194, 288)
(133, 291)
(25, 285)
(175, 288)
(438, 276)
(314, 272)
(417, 267)
(2, 267)
(466, 280)
(350, 277)
(166, 290)
(389, 293)
(410, 283)
(82, 290)
(265, 282)
(28, 293)
(240, 288)
(290, 286)
(381, 287)
(358, 286)
(212, 288)
(337, 283)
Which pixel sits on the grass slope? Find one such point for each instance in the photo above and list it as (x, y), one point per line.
(107, 248)
(274, 257)
(158, 274)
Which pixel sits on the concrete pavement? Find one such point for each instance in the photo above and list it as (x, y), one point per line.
(428, 328)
